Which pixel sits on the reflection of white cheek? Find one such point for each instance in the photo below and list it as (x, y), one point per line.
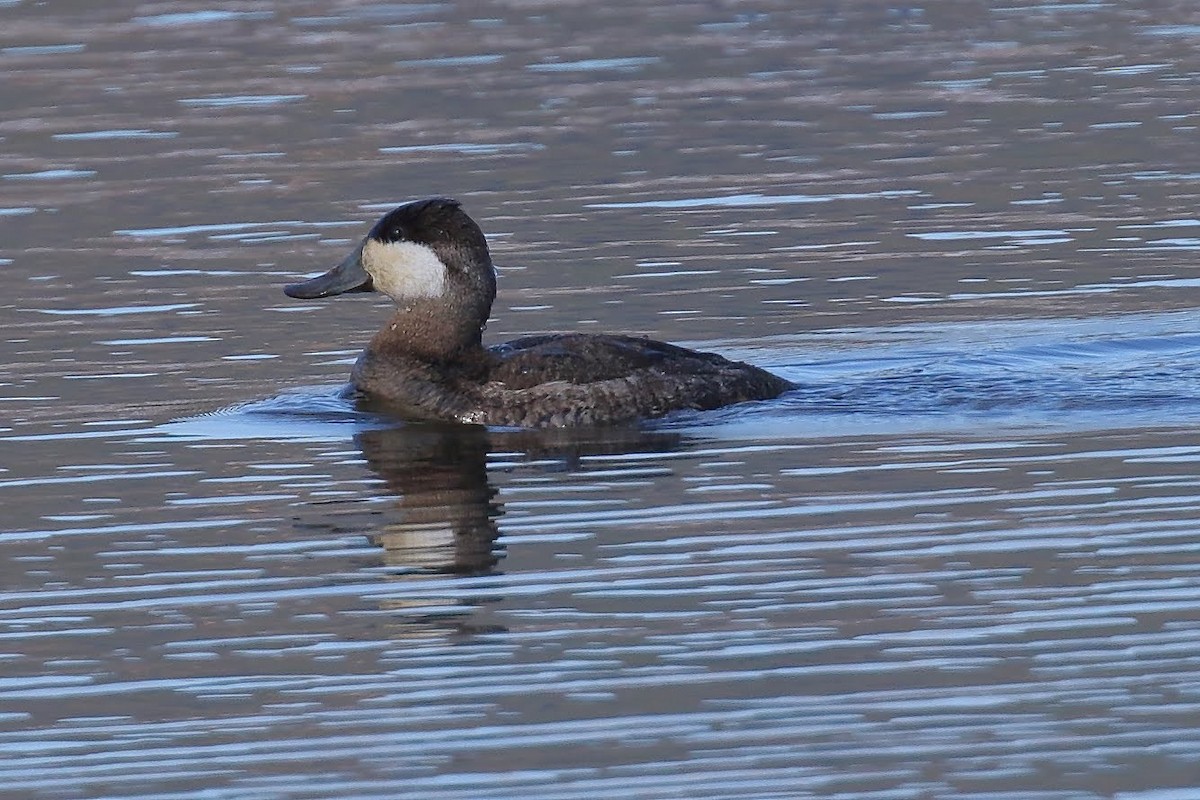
(418, 545)
(404, 270)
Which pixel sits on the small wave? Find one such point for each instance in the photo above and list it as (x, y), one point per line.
(1094, 374)
(317, 413)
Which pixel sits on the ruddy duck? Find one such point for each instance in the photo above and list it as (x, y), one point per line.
(429, 362)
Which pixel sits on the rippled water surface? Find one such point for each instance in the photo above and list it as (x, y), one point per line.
(960, 560)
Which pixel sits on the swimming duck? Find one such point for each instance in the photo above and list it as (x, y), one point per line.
(429, 361)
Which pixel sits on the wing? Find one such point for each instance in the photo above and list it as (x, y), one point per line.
(581, 379)
(588, 358)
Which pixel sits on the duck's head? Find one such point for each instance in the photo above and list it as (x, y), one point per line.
(424, 251)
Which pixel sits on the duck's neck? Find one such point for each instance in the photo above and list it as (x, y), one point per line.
(430, 331)
(423, 364)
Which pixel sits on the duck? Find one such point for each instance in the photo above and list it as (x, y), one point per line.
(429, 363)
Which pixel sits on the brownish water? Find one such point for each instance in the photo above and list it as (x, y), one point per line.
(960, 561)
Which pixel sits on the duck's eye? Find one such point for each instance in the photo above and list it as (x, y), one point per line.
(395, 233)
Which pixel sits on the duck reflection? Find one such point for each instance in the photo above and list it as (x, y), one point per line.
(440, 513)
(438, 475)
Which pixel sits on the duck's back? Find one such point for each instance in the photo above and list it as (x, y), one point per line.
(587, 379)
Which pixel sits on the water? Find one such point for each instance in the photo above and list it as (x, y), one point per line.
(958, 561)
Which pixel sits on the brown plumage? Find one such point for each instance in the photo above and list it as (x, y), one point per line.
(429, 362)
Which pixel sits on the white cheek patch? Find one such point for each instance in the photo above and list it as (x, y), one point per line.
(404, 270)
